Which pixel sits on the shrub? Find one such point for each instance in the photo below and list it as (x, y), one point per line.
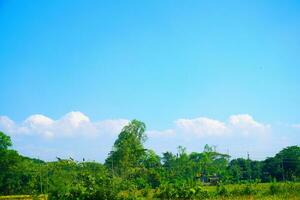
(221, 190)
(183, 190)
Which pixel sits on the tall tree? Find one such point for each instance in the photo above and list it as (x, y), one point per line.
(128, 150)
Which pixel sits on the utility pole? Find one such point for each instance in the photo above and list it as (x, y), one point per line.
(228, 158)
(249, 163)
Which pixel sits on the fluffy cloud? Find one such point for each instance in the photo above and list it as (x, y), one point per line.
(6, 123)
(236, 125)
(202, 126)
(70, 125)
(76, 135)
(75, 124)
(111, 126)
(245, 124)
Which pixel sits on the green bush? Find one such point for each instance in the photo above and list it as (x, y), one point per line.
(221, 190)
(182, 190)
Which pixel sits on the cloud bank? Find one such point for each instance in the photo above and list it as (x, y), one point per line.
(241, 125)
(76, 135)
(72, 124)
(75, 124)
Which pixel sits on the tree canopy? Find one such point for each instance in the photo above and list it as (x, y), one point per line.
(5, 141)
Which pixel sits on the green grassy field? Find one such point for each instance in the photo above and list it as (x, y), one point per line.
(259, 191)
(24, 197)
(264, 191)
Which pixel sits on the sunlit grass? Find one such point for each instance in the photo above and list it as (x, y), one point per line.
(24, 197)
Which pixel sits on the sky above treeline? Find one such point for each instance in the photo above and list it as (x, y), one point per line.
(223, 73)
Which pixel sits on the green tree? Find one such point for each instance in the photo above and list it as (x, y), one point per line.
(240, 169)
(213, 164)
(272, 169)
(151, 160)
(284, 166)
(290, 162)
(128, 150)
(5, 141)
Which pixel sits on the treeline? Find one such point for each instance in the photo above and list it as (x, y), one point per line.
(130, 170)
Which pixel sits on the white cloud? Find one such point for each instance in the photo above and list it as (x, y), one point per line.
(75, 124)
(6, 123)
(164, 133)
(70, 125)
(111, 126)
(242, 124)
(75, 134)
(38, 121)
(245, 124)
(202, 126)
(37, 124)
(75, 119)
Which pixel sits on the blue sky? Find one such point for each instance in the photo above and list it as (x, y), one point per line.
(158, 61)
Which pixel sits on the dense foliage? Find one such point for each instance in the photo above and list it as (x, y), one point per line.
(131, 172)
